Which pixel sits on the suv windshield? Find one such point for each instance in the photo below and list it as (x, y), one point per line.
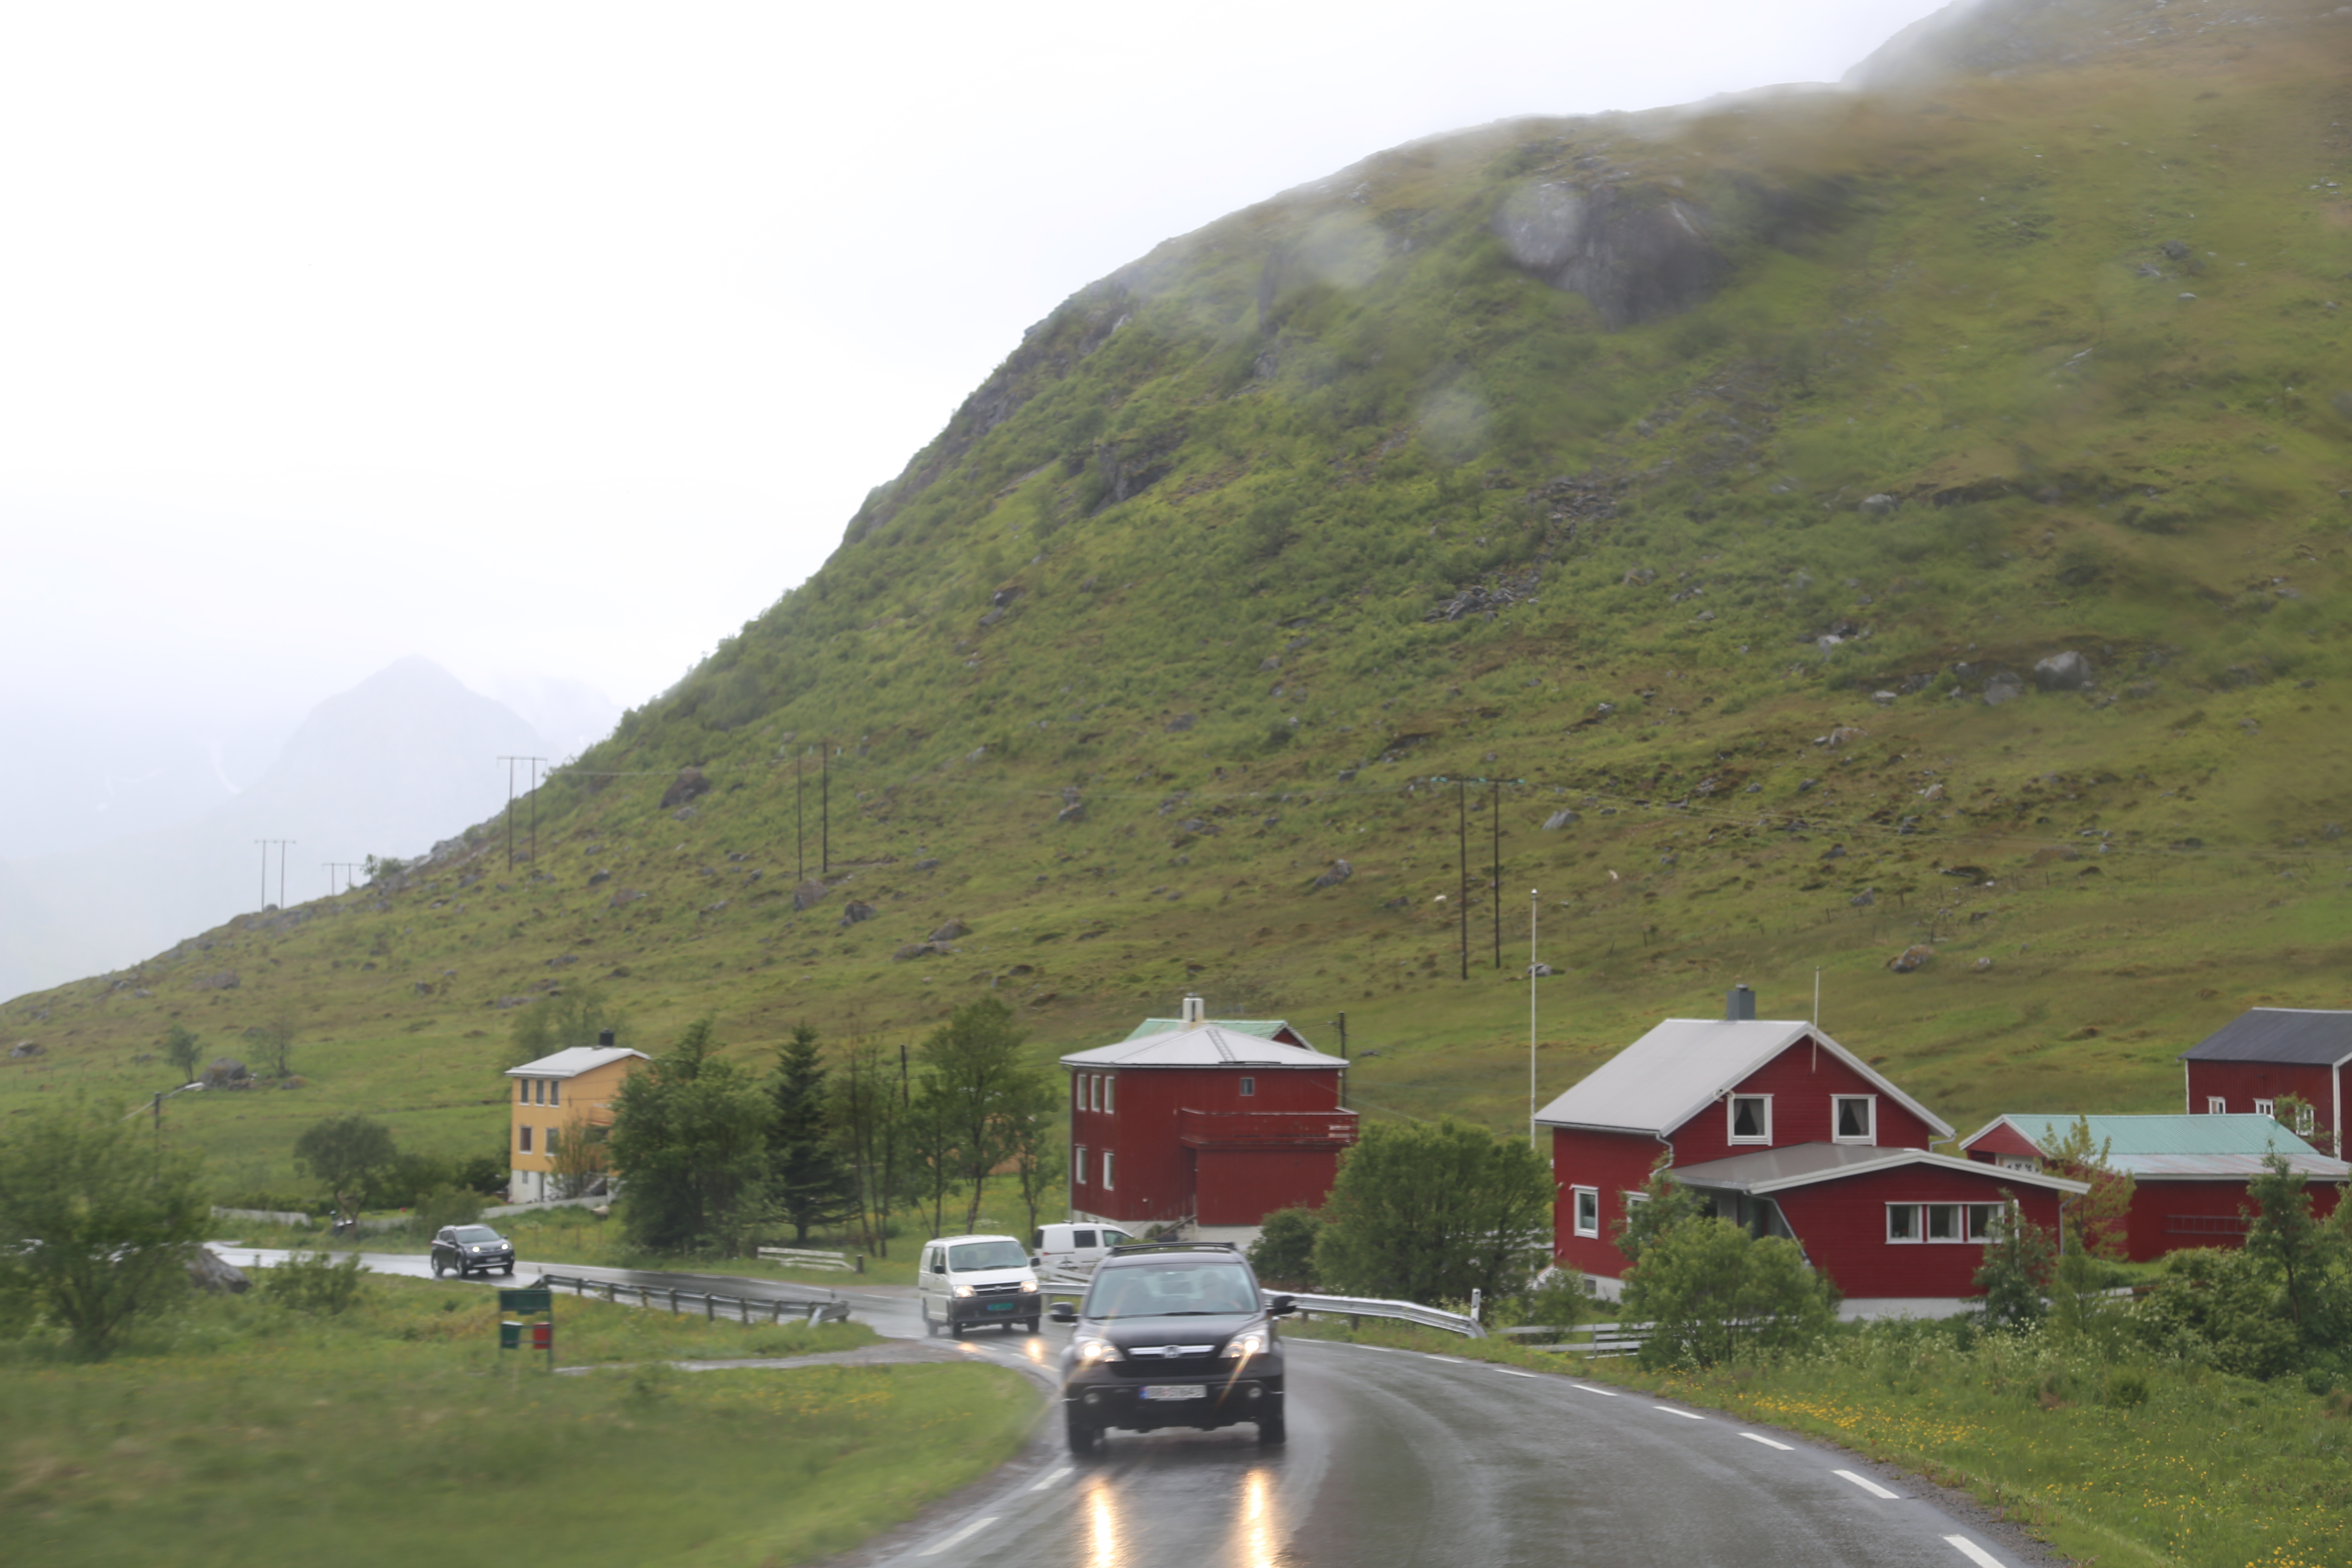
(1170, 1289)
(987, 1255)
(473, 1233)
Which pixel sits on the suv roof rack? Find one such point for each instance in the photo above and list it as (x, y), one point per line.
(1173, 1247)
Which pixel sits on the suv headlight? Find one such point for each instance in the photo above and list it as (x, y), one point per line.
(1090, 1350)
(1028, 1287)
(963, 1289)
(1251, 1343)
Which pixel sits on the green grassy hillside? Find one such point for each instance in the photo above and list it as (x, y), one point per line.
(1718, 477)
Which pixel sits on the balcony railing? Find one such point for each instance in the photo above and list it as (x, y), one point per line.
(1266, 1128)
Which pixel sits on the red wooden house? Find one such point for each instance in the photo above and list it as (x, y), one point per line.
(2263, 1055)
(2190, 1174)
(1789, 1134)
(1206, 1123)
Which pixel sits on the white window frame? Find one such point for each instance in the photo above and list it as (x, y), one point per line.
(1732, 1120)
(1869, 1134)
(1093, 1091)
(1919, 1231)
(2216, 1106)
(1077, 1091)
(524, 1128)
(1249, 1088)
(1969, 1228)
(1958, 1219)
(2306, 1120)
(2024, 1163)
(1107, 1081)
(556, 1091)
(1108, 1184)
(1078, 1164)
(1576, 1201)
(522, 1092)
(2266, 1108)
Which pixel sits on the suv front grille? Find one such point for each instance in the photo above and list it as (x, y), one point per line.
(1011, 1288)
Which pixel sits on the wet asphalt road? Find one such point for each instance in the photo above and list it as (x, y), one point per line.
(1399, 1459)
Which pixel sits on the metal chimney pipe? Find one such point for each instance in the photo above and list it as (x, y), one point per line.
(1739, 1005)
(605, 1037)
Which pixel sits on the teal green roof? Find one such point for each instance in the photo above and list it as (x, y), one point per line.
(2181, 1147)
(1263, 1028)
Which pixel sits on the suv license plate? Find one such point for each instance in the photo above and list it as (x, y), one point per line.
(1166, 1391)
(1003, 1306)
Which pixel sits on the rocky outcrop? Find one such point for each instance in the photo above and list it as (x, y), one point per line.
(1635, 252)
(689, 782)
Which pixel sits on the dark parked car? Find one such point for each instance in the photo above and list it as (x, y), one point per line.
(1172, 1335)
(471, 1248)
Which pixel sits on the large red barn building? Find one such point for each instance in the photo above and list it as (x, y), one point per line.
(2261, 1056)
(1788, 1132)
(1205, 1125)
(2190, 1174)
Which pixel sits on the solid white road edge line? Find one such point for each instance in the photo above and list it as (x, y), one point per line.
(1048, 1480)
(1684, 1413)
(1973, 1552)
(1449, 1360)
(1604, 1392)
(1867, 1484)
(935, 1548)
(1768, 1442)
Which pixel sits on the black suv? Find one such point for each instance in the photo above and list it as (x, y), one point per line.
(1172, 1335)
(469, 1248)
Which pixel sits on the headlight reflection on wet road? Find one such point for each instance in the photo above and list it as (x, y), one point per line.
(1102, 1527)
(1259, 1541)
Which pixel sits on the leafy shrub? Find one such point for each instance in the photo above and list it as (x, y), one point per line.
(1284, 1252)
(1713, 1293)
(445, 1205)
(314, 1282)
(2126, 1388)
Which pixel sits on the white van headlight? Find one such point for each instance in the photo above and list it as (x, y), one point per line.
(963, 1289)
(1028, 1286)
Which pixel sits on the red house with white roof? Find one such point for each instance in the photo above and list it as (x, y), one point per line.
(1790, 1134)
(2261, 1056)
(2191, 1174)
(1207, 1123)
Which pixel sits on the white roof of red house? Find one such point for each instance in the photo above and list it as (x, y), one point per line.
(1200, 1046)
(573, 1060)
(1803, 1165)
(2168, 1147)
(1685, 1065)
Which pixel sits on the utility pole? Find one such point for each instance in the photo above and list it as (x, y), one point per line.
(346, 868)
(510, 763)
(1343, 1021)
(1462, 849)
(1495, 807)
(281, 843)
(824, 810)
(799, 834)
(1534, 1137)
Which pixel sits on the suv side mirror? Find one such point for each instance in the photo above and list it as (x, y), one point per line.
(1035, 1262)
(1061, 1312)
(1280, 1306)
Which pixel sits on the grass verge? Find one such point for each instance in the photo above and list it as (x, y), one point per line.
(391, 1434)
(2160, 1465)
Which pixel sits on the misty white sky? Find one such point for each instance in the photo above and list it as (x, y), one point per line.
(559, 339)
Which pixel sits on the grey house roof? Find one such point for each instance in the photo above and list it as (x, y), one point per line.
(1802, 1164)
(2305, 1036)
(1265, 1029)
(1679, 1068)
(2176, 1148)
(1202, 1046)
(573, 1060)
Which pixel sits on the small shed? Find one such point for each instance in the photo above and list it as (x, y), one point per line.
(1203, 1123)
(2261, 1056)
(566, 1096)
(2190, 1174)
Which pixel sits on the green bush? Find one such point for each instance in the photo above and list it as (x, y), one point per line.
(315, 1283)
(1714, 1293)
(1284, 1252)
(444, 1205)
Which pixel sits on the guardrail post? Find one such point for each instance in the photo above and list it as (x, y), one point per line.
(709, 1308)
(673, 1301)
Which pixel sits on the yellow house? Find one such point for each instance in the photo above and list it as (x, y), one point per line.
(557, 1099)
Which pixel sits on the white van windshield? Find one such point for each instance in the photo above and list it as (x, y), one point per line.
(1170, 1289)
(987, 1255)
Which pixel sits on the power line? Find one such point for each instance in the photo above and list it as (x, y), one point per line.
(281, 843)
(510, 763)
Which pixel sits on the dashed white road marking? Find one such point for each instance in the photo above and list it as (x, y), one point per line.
(1684, 1413)
(1973, 1552)
(1513, 1372)
(970, 1529)
(1049, 1481)
(1383, 1349)
(1449, 1360)
(1768, 1442)
(974, 1528)
(1604, 1392)
(1867, 1484)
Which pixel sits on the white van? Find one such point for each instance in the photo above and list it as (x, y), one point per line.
(963, 1280)
(1053, 1246)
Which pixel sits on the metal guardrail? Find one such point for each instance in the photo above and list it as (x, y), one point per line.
(1355, 1307)
(747, 1308)
(1598, 1338)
